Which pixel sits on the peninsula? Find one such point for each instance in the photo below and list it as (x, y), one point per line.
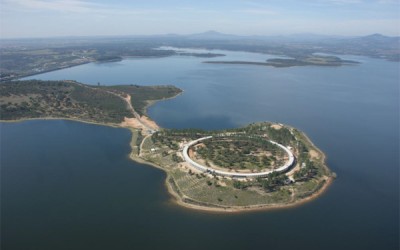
(260, 166)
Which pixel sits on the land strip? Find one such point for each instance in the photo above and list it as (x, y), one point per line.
(313, 60)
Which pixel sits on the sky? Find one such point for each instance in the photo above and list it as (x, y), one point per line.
(55, 18)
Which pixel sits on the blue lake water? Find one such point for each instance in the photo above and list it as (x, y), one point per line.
(69, 185)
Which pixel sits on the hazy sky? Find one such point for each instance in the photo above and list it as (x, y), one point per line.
(47, 18)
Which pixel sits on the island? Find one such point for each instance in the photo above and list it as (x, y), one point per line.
(309, 60)
(262, 165)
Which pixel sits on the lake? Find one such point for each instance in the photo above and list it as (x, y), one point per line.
(70, 185)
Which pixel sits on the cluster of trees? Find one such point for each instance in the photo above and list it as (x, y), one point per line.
(10, 111)
(60, 99)
(113, 107)
(270, 183)
(241, 184)
(10, 88)
(282, 135)
(306, 172)
(160, 139)
(273, 181)
(170, 137)
(176, 158)
(239, 152)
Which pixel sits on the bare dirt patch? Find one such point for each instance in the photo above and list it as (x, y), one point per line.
(149, 123)
(276, 126)
(313, 154)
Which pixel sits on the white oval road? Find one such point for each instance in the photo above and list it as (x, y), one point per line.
(202, 168)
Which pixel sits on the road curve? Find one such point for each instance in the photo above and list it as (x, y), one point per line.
(202, 168)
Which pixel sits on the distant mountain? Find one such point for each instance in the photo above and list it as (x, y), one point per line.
(378, 39)
(213, 35)
(300, 37)
(374, 41)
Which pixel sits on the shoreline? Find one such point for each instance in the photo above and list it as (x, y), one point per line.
(250, 208)
(113, 125)
(153, 102)
(46, 71)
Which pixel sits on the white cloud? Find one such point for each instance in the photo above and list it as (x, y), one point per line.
(79, 7)
(58, 5)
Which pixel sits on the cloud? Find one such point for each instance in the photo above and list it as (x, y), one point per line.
(77, 7)
(58, 5)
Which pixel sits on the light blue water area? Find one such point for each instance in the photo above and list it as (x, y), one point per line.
(350, 112)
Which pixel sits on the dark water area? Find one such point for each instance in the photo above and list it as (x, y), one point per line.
(69, 185)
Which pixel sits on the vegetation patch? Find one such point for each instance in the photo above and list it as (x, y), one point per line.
(70, 99)
(239, 153)
(142, 96)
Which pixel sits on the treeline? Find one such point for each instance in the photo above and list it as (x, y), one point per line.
(270, 183)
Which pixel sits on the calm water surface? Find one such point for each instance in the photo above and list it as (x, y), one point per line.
(68, 185)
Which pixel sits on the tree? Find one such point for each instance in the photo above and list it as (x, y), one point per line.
(239, 185)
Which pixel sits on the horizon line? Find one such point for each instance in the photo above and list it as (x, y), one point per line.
(201, 33)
